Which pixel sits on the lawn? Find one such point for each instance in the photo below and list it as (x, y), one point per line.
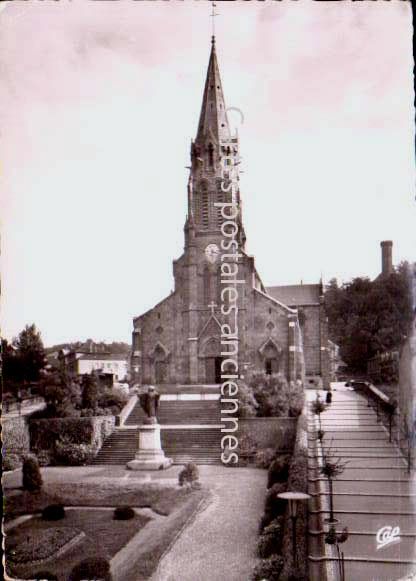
(161, 499)
(103, 537)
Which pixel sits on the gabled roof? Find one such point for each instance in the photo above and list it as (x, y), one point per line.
(295, 295)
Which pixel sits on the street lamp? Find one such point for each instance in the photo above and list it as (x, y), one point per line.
(294, 498)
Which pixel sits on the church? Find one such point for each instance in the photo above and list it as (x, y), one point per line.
(219, 306)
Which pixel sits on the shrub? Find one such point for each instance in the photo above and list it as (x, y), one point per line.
(189, 475)
(274, 506)
(11, 462)
(278, 470)
(296, 399)
(89, 392)
(91, 568)
(53, 512)
(269, 569)
(264, 458)
(123, 513)
(72, 454)
(270, 541)
(44, 458)
(113, 400)
(32, 478)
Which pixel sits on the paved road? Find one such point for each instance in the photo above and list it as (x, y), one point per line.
(374, 491)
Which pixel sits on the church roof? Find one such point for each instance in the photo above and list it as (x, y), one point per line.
(295, 295)
(213, 121)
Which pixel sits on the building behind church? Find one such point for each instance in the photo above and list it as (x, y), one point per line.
(276, 329)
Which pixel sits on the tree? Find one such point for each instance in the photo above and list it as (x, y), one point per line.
(366, 317)
(30, 352)
(89, 392)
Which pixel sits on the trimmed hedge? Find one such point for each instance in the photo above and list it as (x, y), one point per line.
(298, 480)
(44, 432)
(53, 512)
(124, 513)
(92, 568)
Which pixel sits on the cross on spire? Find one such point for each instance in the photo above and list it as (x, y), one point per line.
(212, 306)
(213, 15)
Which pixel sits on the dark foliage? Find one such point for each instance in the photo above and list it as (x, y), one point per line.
(92, 568)
(89, 392)
(278, 470)
(366, 317)
(124, 513)
(24, 359)
(274, 506)
(53, 512)
(270, 541)
(32, 478)
(269, 569)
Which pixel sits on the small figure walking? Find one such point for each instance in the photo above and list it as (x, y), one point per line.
(328, 398)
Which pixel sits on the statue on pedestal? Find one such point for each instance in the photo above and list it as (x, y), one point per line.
(149, 455)
(150, 402)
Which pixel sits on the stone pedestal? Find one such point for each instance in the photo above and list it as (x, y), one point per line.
(150, 455)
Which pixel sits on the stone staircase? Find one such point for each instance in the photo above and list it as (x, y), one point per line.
(190, 432)
(180, 412)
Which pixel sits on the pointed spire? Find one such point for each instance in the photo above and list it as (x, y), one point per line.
(213, 123)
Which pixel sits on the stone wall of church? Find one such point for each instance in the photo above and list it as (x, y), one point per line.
(311, 340)
(265, 320)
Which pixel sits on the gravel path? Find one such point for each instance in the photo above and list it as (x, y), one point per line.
(221, 541)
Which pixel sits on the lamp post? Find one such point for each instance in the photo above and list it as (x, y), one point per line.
(294, 498)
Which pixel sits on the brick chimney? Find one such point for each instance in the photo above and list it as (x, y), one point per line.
(386, 257)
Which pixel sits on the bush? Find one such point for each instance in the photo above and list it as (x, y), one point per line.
(189, 475)
(89, 392)
(264, 458)
(274, 506)
(92, 568)
(53, 512)
(113, 400)
(270, 541)
(124, 513)
(278, 470)
(44, 458)
(296, 399)
(269, 569)
(11, 462)
(32, 478)
(71, 454)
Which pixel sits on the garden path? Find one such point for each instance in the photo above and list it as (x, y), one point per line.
(221, 541)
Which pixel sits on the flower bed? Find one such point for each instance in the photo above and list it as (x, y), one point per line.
(39, 544)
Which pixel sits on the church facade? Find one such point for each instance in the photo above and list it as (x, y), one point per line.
(220, 318)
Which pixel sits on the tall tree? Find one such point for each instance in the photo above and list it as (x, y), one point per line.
(366, 317)
(30, 353)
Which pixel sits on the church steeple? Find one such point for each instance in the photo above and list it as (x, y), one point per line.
(213, 123)
(214, 159)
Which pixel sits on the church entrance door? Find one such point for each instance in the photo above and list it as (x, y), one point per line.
(160, 372)
(213, 369)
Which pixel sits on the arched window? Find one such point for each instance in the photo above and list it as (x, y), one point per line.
(210, 154)
(206, 282)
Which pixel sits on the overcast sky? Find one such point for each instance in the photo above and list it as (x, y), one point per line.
(99, 102)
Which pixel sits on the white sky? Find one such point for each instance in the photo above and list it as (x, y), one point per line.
(99, 102)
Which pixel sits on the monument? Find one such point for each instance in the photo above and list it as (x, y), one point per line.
(149, 455)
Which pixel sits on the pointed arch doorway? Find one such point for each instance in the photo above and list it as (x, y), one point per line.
(211, 354)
